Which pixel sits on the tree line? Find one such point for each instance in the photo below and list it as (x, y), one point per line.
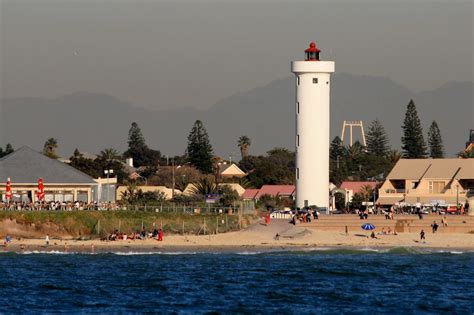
(355, 162)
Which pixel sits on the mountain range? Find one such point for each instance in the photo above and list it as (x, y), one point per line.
(92, 122)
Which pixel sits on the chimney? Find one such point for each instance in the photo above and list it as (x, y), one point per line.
(129, 161)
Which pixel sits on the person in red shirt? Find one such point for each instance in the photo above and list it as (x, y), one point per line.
(160, 235)
(267, 219)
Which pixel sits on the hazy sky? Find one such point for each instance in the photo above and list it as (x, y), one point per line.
(170, 54)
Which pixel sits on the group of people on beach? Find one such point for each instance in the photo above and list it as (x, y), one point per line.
(305, 216)
(143, 235)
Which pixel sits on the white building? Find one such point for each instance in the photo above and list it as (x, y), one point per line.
(312, 128)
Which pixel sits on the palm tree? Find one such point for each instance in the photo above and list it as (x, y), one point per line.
(205, 186)
(355, 151)
(244, 144)
(216, 161)
(130, 195)
(366, 191)
(466, 154)
(49, 148)
(109, 155)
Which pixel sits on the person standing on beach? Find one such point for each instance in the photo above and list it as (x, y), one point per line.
(47, 239)
(444, 221)
(267, 219)
(160, 235)
(422, 235)
(434, 227)
(8, 240)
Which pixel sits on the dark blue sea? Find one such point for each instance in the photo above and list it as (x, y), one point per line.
(299, 282)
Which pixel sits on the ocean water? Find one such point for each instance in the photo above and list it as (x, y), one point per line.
(297, 282)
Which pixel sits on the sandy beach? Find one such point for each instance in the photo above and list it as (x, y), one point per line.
(256, 237)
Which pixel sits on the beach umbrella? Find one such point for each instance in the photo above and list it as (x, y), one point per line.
(368, 227)
(8, 193)
(40, 193)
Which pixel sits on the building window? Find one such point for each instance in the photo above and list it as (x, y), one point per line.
(436, 187)
(298, 80)
(297, 173)
(298, 140)
(315, 80)
(297, 107)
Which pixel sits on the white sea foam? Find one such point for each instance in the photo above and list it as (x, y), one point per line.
(376, 250)
(316, 249)
(50, 252)
(151, 253)
(249, 253)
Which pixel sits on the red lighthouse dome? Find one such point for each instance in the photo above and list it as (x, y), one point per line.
(312, 53)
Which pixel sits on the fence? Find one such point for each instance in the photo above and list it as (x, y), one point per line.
(245, 207)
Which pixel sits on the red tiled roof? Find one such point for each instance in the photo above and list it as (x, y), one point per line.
(276, 190)
(250, 193)
(356, 186)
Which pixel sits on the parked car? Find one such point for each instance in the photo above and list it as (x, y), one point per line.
(451, 210)
(425, 211)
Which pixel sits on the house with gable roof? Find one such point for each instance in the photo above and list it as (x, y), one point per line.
(25, 166)
(426, 181)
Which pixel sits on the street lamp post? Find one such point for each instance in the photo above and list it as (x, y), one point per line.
(457, 196)
(347, 199)
(373, 203)
(108, 172)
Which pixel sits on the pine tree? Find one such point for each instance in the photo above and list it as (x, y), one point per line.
(413, 143)
(77, 153)
(377, 139)
(435, 142)
(138, 150)
(135, 137)
(336, 151)
(199, 150)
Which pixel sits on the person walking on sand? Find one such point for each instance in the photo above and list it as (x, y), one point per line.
(267, 219)
(444, 221)
(47, 239)
(422, 235)
(434, 227)
(160, 235)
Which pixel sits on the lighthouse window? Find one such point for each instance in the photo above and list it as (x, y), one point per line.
(298, 107)
(297, 173)
(298, 140)
(315, 80)
(298, 80)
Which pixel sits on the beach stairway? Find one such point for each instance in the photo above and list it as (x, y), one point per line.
(400, 223)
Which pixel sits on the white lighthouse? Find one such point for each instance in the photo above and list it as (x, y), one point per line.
(312, 128)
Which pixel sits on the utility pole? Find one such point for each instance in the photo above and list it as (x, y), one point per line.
(172, 187)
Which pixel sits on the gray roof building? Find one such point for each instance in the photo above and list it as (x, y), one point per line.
(26, 166)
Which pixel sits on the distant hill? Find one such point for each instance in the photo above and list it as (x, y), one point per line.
(92, 122)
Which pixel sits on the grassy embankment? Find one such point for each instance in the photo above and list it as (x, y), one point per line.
(86, 224)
